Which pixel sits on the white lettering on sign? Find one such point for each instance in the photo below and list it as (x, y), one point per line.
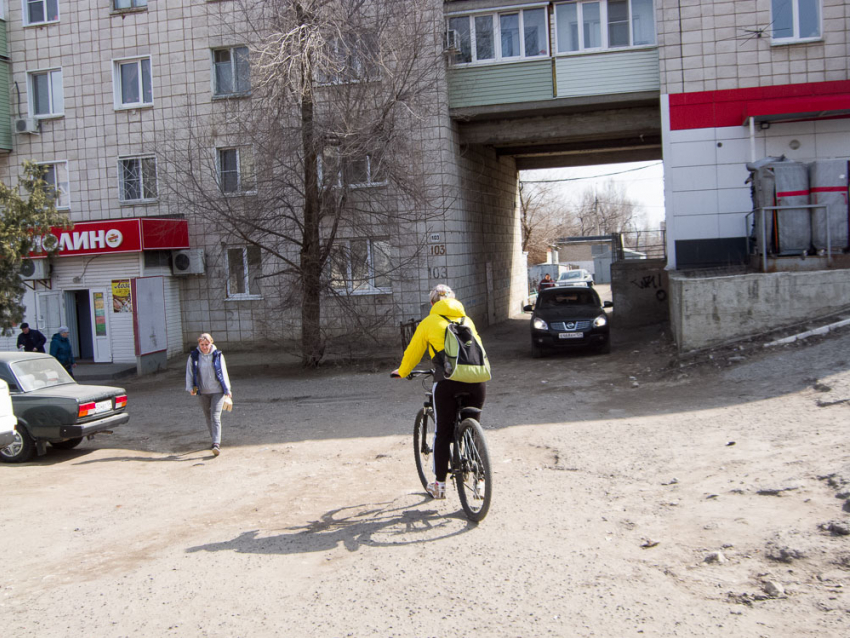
(80, 240)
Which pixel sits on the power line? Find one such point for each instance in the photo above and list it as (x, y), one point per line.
(576, 179)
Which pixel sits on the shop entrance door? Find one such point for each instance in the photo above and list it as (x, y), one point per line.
(85, 311)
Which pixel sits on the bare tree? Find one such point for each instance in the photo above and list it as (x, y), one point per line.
(543, 218)
(324, 163)
(606, 210)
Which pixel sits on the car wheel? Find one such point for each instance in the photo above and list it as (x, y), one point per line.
(606, 349)
(536, 351)
(20, 450)
(67, 445)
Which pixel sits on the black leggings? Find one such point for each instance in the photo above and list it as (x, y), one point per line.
(445, 410)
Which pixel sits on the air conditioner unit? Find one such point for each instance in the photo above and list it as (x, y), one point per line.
(187, 262)
(35, 269)
(28, 125)
(452, 43)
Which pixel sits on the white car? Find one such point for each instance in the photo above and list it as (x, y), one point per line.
(578, 277)
(8, 421)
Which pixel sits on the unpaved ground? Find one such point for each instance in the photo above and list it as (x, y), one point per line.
(617, 477)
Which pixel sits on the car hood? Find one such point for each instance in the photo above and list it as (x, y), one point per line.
(568, 314)
(81, 393)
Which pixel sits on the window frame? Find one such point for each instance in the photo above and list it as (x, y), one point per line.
(605, 45)
(53, 113)
(25, 18)
(118, 88)
(233, 72)
(133, 6)
(343, 166)
(121, 190)
(58, 185)
(240, 177)
(496, 22)
(369, 287)
(248, 295)
(795, 25)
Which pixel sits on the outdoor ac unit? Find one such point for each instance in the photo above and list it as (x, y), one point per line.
(28, 125)
(35, 269)
(187, 262)
(452, 44)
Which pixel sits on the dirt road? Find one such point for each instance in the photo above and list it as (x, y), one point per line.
(634, 494)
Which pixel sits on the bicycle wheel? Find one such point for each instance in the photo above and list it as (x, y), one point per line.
(475, 478)
(423, 440)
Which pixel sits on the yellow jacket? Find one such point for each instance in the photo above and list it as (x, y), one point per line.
(431, 333)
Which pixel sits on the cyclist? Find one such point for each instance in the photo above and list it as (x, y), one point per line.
(431, 335)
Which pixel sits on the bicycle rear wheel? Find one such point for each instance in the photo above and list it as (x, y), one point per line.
(423, 440)
(474, 479)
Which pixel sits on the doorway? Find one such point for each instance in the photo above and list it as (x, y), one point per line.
(78, 314)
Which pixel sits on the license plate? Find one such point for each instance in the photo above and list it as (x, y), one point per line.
(103, 406)
(570, 335)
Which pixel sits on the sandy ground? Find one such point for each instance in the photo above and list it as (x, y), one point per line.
(635, 493)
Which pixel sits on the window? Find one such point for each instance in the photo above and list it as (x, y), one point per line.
(361, 266)
(137, 179)
(604, 24)
(132, 81)
(129, 4)
(244, 268)
(235, 170)
(46, 96)
(41, 11)
(56, 176)
(795, 20)
(501, 36)
(355, 172)
(352, 58)
(231, 71)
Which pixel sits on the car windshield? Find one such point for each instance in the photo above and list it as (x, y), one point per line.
(569, 298)
(40, 373)
(571, 274)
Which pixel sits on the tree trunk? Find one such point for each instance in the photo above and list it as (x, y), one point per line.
(312, 345)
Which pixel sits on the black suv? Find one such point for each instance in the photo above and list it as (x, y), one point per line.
(567, 317)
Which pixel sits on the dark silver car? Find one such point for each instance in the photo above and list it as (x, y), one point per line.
(53, 408)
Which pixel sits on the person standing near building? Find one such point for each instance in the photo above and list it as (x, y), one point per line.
(31, 340)
(60, 348)
(206, 377)
(546, 282)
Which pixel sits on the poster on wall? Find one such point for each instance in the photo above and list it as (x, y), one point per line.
(122, 300)
(99, 314)
(149, 315)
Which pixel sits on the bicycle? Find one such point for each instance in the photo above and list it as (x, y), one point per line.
(469, 463)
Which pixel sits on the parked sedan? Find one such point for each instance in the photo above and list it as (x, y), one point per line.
(578, 277)
(569, 317)
(53, 408)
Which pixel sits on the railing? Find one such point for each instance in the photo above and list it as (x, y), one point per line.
(652, 243)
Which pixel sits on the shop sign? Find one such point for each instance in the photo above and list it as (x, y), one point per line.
(113, 236)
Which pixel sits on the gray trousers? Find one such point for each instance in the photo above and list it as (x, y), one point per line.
(212, 404)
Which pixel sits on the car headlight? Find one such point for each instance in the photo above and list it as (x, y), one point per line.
(539, 324)
(600, 321)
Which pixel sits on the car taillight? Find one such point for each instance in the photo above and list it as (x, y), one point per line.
(121, 402)
(86, 409)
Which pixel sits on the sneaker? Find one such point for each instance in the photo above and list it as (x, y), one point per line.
(215, 450)
(437, 490)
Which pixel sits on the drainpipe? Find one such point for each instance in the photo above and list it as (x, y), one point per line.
(752, 139)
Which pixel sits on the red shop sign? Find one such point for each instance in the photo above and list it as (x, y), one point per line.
(114, 236)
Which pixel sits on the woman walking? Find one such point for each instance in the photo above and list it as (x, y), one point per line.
(206, 376)
(60, 348)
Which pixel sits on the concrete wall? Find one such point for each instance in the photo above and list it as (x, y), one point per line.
(639, 290)
(709, 311)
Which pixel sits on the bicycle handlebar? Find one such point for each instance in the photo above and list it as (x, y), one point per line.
(413, 373)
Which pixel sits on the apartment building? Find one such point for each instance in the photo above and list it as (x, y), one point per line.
(98, 93)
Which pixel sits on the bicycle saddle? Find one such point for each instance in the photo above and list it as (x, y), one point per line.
(470, 413)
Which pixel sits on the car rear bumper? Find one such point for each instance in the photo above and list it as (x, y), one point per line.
(93, 427)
